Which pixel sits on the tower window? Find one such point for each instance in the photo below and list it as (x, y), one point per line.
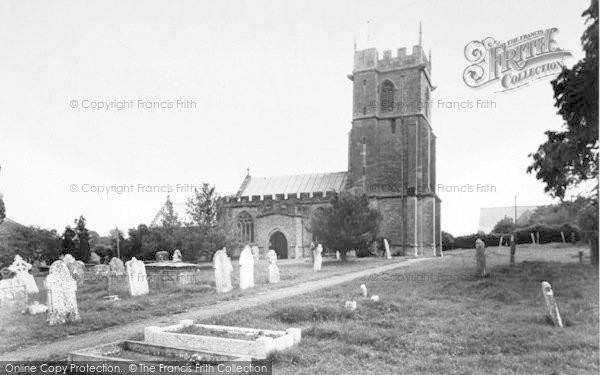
(387, 97)
(364, 82)
(364, 140)
(364, 110)
(364, 171)
(393, 126)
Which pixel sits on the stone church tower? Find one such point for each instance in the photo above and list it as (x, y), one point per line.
(391, 147)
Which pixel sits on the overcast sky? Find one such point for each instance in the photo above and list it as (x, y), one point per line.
(269, 79)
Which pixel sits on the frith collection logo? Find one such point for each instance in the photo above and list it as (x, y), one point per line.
(515, 63)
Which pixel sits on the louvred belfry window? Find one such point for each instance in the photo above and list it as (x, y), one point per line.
(387, 97)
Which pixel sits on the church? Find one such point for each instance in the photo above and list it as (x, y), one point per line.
(391, 158)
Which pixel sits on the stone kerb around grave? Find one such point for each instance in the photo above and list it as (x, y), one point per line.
(259, 348)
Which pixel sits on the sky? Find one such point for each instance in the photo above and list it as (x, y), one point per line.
(251, 84)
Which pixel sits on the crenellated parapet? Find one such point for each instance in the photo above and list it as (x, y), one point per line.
(369, 59)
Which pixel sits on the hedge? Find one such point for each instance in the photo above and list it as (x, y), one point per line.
(547, 234)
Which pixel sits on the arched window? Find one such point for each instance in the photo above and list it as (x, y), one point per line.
(245, 225)
(387, 97)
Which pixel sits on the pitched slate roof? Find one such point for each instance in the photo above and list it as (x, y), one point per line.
(303, 183)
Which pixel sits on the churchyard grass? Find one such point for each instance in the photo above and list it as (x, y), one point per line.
(18, 330)
(437, 318)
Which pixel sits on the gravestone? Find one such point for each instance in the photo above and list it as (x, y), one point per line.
(162, 256)
(513, 249)
(94, 258)
(273, 268)
(386, 245)
(101, 269)
(246, 268)
(62, 295)
(337, 255)
(21, 269)
(77, 270)
(68, 259)
(255, 252)
(116, 266)
(551, 304)
(223, 269)
(136, 275)
(350, 305)
(318, 258)
(12, 291)
(480, 257)
(363, 290)
(176, 255)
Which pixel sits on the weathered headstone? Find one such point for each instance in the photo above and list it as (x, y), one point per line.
(94, 258)
(532, 238)
(21, 269)
(562, 236)
(68, 259)
(223, 269)
(337, 255)
(12, 291)
(62, 295)
(77, 270)
(162, 256)
(573, 239)
(363, 290)
(116, 266)
(318, 258)
(388, 254)
(101, 269)
(480, 257)
(350, 305)
(36, 308)
(551, 304)
(273, 268)
(246, 268)
(375, 298)
(136, 275)
(513, 249)
(176, 255)
(255, 252)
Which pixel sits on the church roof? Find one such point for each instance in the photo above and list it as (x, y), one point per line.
(303, 183)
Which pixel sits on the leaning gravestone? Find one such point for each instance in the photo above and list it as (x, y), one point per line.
(551, 304)
(21, 268)
(176, 256)
(223, 269)
(162, 256)
(62, 295)
(246, 268)
(116, 266)
(318, 258)
(273, 268)
(255, 252)
(480, 257)
(94, 258)
(388, 254)
(136, 275)
(513, 249)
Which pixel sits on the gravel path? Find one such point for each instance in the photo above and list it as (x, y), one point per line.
(60, 348)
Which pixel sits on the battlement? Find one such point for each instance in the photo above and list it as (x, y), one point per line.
(291, 197)
(369, 59)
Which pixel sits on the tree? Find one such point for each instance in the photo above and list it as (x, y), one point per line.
(68, 240)
(504, 226)
(570, 157)
(2, 209)
(202, 207)
(349, 223)
(82, 250)
(123, 251)
(447, 241)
